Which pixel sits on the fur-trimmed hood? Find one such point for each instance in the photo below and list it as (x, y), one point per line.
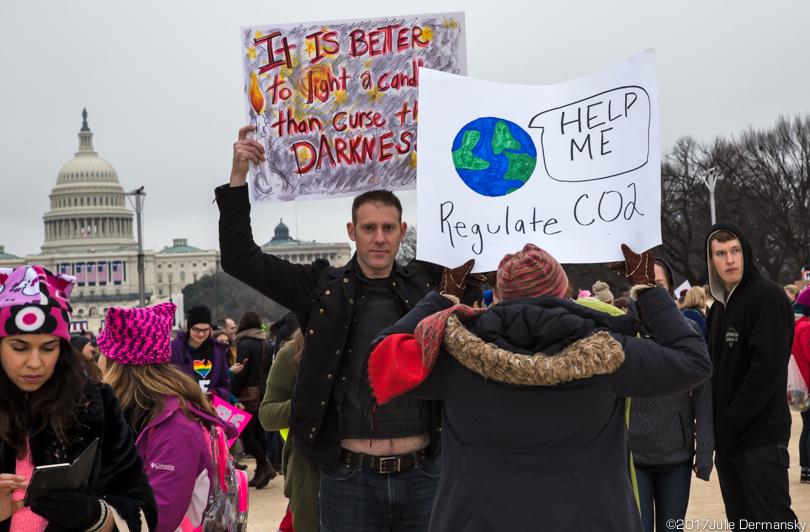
(539, 342)
(542, 341)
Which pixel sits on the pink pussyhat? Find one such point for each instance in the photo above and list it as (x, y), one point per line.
(138, 336)
(35, 301)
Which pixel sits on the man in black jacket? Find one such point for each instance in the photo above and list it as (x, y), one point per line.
(372, 479)
(750, 336)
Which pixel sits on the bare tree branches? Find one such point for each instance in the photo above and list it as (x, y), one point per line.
(765, 190)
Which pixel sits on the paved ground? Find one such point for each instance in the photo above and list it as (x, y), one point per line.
(267, 506)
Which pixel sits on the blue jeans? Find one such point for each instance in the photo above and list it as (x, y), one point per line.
(667, 491)
(353, 499)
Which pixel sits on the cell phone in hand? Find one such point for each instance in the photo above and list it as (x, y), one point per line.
(61, 477)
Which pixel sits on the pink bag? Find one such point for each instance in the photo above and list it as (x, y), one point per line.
(796, 388)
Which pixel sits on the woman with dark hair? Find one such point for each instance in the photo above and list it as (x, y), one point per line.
(166, 409)
(52, 410)
(200, 356)
(255, 355)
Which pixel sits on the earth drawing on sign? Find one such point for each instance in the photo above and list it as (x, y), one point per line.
(493, 156)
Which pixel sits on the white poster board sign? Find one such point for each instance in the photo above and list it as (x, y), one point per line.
(573, 168)
(335, 103)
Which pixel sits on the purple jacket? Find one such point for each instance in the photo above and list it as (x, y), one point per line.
(175, 453)
(219, 382)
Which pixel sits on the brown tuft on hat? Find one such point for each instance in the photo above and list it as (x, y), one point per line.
(531, 272)
(602, 292)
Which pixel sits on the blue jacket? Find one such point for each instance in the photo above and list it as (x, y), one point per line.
(697, 317)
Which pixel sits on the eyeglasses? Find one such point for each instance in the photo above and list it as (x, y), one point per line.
(195, 330)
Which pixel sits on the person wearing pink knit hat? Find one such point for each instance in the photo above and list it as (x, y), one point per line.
(172, 420)
(52, 409)
(533, 393)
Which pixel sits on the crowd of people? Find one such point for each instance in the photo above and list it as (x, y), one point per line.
(413, 397)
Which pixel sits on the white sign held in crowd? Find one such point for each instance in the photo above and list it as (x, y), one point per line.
(335, 103)
(573, 168)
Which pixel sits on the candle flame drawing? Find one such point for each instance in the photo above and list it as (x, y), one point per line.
(256, 96)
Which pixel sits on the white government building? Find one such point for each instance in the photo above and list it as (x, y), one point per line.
(89, 233)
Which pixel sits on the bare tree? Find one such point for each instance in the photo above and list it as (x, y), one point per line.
(407, 249)
(765, 190)
(227, 297)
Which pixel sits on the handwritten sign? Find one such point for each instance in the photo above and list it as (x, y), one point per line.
(573, 168)
(228, 412)
(336, 103)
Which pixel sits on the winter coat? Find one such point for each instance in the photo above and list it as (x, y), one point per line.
(249, 351)
(668, 431)
(697, 317)
(322, 298)
(183, 358)
(302, 479)
(117, 475)
(517, 457)
(801, 347)
(750, 336)
(178, 462)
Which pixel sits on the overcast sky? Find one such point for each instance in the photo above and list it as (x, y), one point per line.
(162, 84)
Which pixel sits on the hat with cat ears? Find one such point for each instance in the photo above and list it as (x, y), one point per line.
(34, 300)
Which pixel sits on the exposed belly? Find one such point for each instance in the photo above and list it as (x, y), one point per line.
(386, 447)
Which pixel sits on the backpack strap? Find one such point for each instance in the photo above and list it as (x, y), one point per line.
(316, 294)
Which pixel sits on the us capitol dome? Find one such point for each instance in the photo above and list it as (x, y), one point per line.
(89, 233)
(88, 206)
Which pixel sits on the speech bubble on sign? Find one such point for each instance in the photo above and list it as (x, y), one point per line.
(602, 136)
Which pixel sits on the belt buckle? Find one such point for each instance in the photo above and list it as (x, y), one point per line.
(390, 459)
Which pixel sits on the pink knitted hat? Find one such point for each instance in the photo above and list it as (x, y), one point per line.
(138, 336)
(35, 301)
(531, 272)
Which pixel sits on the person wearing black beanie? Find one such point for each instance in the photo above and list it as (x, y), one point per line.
(200, 356)
(83, 346)
(198, 314)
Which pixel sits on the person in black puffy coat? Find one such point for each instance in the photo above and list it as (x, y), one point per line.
(533, 395)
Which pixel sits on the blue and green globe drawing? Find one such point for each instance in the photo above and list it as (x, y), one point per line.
(493, 156)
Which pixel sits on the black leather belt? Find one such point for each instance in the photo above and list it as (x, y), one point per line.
(384, 464)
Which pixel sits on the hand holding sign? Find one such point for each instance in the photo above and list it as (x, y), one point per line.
(245, 150)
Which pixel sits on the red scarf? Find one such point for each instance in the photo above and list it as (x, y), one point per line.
(402, 362)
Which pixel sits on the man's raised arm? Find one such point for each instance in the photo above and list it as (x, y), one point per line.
(289, 285)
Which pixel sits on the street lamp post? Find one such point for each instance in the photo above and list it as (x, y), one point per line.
(710, 179)
(139, 193)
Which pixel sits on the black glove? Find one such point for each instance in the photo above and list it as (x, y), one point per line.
(69, 509)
